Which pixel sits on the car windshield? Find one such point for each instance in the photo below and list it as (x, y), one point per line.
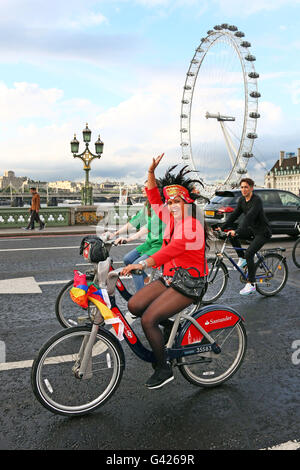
(224, 200)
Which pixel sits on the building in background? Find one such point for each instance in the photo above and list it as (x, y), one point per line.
(67, 186)
(285, 174)
(9, 179)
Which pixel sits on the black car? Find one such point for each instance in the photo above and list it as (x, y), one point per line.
(282, 209)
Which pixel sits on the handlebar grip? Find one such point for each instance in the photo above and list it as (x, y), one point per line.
(137, 271)
(221, 235)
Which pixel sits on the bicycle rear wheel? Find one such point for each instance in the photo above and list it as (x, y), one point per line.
(296, 253)
(210, 369)
(67, 312)
(271, 274)
(55, 382)
(216, 281)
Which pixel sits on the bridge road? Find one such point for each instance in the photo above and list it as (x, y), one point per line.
(257, 409)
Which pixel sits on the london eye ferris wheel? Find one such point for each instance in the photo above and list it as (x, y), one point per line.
(219, 108)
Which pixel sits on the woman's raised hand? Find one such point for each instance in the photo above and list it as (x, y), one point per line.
(155, 163)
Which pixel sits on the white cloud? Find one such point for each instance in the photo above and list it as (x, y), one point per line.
(27, 100)
(86, 20)
(294, 89)
(140, 127)
(238, 8)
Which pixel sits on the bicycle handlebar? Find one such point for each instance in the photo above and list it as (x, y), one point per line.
(221, 235)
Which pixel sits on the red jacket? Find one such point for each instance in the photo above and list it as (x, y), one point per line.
(183, 241)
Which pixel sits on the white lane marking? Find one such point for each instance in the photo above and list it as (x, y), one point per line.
(46, 283)
(290, 445)
(15, 365)
(2, 351)
(25, 364)
(21, 285)
(25, 285)
(28, 285)
(13, 239)
(58, 247)
(44, 248)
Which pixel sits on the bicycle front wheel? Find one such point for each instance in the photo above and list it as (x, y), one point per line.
(271, 274)
(296, 253)
(216, 281)
(54, 375)
(210, 369)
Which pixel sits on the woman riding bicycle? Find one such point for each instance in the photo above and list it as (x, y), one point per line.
(149, 224)
(183, 246)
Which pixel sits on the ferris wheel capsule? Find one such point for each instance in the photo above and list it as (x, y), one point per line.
(239, 34)
(254, 115)
(255, 94)
(253, 75)
(246, 44)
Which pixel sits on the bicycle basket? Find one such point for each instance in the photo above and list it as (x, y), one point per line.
(93, 249)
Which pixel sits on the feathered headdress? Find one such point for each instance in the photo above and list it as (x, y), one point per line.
(172, 185)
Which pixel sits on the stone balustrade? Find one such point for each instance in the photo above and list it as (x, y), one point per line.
(11, 217)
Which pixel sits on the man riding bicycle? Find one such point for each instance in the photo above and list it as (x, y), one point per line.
(255, 226)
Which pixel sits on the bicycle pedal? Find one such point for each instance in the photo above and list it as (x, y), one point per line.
(216, 348)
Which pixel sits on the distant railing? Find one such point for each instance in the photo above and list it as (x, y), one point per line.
(16, 217)
(66, 195)
(11, 217)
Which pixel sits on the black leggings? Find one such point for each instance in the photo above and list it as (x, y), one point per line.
(156, 303)
(258, 241)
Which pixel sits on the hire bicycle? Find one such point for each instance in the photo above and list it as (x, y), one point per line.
(81, 367)
(271, 271)
(296, 249)
(69, 314)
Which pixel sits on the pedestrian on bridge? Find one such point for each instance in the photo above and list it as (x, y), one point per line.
(34, 211)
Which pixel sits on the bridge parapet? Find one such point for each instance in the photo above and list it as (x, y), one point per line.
(11, 217)
(16, 217)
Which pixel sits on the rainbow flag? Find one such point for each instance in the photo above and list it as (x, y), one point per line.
(79, 290)
(100, 298)
(82, 292)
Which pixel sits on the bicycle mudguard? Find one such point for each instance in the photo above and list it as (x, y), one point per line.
(210, 317)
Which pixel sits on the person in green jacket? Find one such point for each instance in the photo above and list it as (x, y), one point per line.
(147, 223)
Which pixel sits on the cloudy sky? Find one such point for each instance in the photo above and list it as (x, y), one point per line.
(120, 65)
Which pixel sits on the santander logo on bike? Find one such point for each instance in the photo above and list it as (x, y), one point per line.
(212, 321)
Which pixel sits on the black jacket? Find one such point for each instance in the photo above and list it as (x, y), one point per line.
(254, 219)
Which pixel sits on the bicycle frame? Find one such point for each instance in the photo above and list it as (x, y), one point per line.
(208, 318)
(213, 320)
(222, 253)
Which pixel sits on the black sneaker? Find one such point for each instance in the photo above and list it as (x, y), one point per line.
(42, 227)
(161, 376)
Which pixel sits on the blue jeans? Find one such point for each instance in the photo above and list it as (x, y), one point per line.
(134, 257)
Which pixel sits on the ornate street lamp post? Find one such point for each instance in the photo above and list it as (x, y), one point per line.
(87, 157)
